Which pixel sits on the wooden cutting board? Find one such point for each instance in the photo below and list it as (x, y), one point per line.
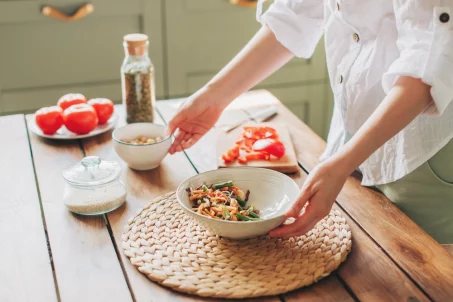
(287, 164)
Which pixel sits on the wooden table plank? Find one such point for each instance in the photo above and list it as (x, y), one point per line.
(143, 186)
(328, 292)
(26, 271)
(368, 271)
(419, 255)
(203, 157)
(449, 248)
(86, 266)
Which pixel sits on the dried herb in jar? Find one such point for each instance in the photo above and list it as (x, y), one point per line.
(137, 76)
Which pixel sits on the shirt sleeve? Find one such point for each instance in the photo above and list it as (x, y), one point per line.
(425, 41)
(297, 24)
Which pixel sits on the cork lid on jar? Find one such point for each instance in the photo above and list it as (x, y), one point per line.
(136, 44)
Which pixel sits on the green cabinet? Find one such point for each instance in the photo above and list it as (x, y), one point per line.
(43, 58)
(203, 35)
(190, 41)
(308, 102)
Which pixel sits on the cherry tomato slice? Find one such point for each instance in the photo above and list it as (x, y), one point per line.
(257, 156)
(226, 158)
(259, 132)
(233, 153)
(242, 160)
(271, 146)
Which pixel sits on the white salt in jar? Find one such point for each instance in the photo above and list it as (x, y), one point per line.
(93, 187)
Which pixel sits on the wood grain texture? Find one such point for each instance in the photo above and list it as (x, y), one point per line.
(22, 277)
(207, 161)
(328, 289)
(142, 186)
(449, 248)
(419, 255)
(86, 266)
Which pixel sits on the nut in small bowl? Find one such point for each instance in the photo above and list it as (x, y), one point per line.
(142, 146)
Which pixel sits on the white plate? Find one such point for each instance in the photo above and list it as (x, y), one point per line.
(64, 133)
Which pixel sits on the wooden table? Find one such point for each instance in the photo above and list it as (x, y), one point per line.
(49, 254)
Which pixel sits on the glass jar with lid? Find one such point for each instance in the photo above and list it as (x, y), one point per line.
(137, 80)
(93, 187)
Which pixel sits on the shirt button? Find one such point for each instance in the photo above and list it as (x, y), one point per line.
(356, 37)
(340, 79)
(444, 17)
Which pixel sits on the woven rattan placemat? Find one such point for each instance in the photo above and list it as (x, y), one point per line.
(170, 248)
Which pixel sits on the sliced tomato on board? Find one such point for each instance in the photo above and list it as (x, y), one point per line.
(271, 146)
(226, 158)
(253, 156)
(258, 143)
(259, 132)
(233, 153)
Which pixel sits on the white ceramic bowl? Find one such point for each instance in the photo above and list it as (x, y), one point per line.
(141, 157)
(271, 192)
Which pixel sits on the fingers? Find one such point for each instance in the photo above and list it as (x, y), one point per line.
(176, 121)
(299, 204)
(304, 223)
(180, 137)
(191, 141)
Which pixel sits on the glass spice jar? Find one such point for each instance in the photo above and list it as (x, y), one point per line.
(137, 80)
(93, 187)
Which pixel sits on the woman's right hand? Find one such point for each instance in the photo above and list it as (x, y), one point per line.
(196, 116)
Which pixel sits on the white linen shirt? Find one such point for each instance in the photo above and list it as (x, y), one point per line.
(369, 44)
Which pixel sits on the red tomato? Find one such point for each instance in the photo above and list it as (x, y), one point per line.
(80, 118)
(104, 109)
(49, 119)
(271, 146)
(70, 99)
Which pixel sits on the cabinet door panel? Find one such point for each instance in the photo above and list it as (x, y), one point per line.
(49, 56)
(203, 35)
(308, 102)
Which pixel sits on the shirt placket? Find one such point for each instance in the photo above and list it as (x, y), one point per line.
(343, 73)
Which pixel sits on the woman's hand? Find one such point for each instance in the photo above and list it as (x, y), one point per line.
(196, 116)
(318, 193)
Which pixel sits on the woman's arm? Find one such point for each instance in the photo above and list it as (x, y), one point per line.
(257, 60)
(261, 57)
(406, 100)
(289, 28)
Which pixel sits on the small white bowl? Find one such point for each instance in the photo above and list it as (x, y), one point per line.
(141, 157)
(272, 193)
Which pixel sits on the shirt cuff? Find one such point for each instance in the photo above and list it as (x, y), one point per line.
(433, 66)
(298, 33)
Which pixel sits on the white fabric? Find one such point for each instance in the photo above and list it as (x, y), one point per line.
(400, 37)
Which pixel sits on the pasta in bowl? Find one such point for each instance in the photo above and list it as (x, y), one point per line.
(238, 203)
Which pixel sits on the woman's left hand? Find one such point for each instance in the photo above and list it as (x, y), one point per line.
(318, 193)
